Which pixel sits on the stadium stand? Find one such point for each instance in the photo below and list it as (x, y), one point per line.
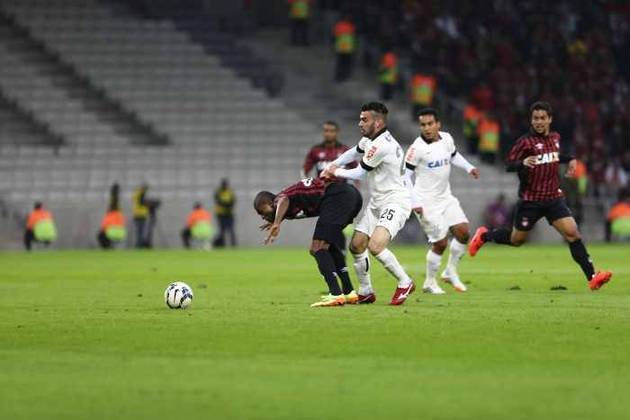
(219, 124)
(178, 96)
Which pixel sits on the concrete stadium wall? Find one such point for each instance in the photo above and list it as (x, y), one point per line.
(78, 221)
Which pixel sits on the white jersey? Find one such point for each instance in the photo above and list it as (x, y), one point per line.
(383, 158)
(431, 163)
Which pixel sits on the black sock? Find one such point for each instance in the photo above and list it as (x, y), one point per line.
(499, 236)
(342, 270)
(580, 256)
(327, 268)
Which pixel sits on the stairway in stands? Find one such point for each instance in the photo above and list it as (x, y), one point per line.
(22, 48)
(220, 125)
(19, 127)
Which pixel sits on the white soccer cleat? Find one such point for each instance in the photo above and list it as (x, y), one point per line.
(451, 277)
(433, 289)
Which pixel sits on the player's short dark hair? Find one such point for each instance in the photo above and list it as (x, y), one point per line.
(429, 111)
(377, 108)
(333, 123)
(541, 106)
(38, 205)
(263, 197)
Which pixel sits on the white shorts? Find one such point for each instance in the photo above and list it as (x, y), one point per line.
(437, 219)
(392, 217)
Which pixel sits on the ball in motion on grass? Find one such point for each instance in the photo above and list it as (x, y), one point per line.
(178, 295)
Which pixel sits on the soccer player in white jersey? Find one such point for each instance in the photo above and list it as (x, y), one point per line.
(428, 163)
(382, 163)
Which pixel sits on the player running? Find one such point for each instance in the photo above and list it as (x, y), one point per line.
(389, 207)
(428, 162)
(336, 204)
(536, 157)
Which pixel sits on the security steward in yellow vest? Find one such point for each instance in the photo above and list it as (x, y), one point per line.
(345, 45)
(224, 200)
(140, 211)
(388, 74)
(299, 13)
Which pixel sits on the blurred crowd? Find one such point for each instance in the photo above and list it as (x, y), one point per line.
(499, 56)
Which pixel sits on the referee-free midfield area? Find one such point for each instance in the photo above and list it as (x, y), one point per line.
(87, 335)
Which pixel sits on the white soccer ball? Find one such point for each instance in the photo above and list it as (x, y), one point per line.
(178, 295)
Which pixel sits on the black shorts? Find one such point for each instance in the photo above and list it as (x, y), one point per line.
(340, 205)
(527, 213)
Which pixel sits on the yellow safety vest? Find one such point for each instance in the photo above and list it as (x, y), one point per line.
(299, 9)
(422, 89)
(140, 211)
(389, 69)
(489, 136)
(472, 116)
(344, 37)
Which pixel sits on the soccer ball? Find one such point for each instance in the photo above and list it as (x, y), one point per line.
(178, 295)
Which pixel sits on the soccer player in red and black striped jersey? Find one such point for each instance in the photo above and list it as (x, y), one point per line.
(320, 155)
(536, 158)
(325, 152)
(336, 204)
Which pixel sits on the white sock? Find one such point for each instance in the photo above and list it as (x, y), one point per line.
(457, 251)
(362, 269)
(391, 264)
(433, 265)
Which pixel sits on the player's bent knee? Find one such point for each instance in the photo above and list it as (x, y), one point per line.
(318, 245)
(461, 233)
(356, 249)
(358, 245)
(463, 237)
(439, 247)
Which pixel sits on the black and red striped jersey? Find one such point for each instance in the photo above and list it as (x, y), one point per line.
(541, 182)
(304, 198)
(320, 155)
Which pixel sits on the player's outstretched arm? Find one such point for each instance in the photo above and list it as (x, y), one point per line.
(281, 210)
(460, 161)
(355, 174)
(349, 156)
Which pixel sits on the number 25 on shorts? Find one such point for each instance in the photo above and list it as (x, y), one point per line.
(388, 214)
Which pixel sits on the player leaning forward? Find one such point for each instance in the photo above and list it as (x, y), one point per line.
(428, 163)
(382, 163)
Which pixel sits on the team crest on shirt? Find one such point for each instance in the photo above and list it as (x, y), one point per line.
(322, 155)
(525, 222)
(539, 146)
(371, 152)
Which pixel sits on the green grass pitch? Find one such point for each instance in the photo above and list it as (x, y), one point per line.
(86, 335)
